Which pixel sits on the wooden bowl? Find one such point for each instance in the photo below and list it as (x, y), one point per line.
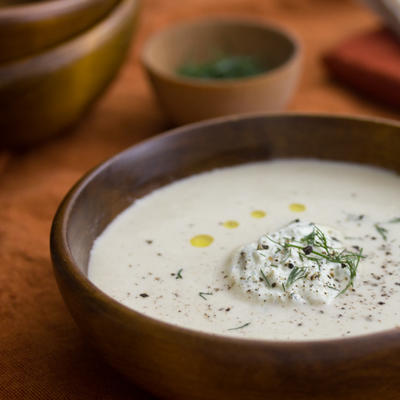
(177, 363)
(30, 26)
(190, 99)
(43, 94)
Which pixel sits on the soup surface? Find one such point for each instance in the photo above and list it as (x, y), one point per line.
(177, 254)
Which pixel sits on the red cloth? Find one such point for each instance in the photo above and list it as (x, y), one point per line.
(370, 63)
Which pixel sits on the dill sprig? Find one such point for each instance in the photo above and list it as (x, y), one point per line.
(296, 274)
(381, 230)
(203, 294)
(310, 238)
(351, 261)
(179, 274)
(239, 327)
(267, 282)
(315, 247)
(332, 287)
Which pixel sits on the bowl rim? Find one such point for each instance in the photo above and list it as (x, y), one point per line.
(259, 22)
(60, 251)
(71, 49)
(23, 12)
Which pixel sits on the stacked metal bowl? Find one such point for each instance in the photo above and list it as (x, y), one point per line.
(56, 57)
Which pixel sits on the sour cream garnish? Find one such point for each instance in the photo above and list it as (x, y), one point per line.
(302, 262)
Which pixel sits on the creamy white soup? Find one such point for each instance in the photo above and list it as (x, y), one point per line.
(280, 250)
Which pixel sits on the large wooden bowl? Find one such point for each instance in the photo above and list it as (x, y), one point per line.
(177, 363)
(42, 95)
(27, 27)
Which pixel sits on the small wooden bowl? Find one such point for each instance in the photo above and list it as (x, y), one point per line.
(33, 26)
(190, 99)
(177, 363)
(43, 94)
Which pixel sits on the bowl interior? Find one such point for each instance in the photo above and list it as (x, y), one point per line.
(112, 187)
(208, 39)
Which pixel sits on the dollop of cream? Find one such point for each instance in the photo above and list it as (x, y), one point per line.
(295, 264)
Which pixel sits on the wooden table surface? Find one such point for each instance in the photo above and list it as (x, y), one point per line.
(42, 355)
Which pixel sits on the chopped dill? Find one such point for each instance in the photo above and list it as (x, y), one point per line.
(381, 230)
(179, 274)
(316, 260)
(239, 327)
(309, 239)
(287, 254)
(296, 274)
(314, 247)
(222, 67)
(267, 282)
(332, 287)
(394, 221)
(355, 217)
(203, 294)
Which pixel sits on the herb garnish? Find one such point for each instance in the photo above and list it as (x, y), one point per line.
(381, 230)
(203, 294)
(295, 274)
(265, 278)
(179, 274)
(314, 247)
(222, 67)
(239, 327)
(332, 287)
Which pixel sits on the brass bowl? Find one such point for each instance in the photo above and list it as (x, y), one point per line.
(42, 95)
(191, 99)
(31, 26)
(178, 363)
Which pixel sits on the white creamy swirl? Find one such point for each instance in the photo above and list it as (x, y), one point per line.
(302, 262)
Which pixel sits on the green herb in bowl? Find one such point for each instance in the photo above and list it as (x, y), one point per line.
(225, 67)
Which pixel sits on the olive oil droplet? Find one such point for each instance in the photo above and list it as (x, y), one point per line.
(297, 207)
(230, 224)
(258, 214)
(201, 240)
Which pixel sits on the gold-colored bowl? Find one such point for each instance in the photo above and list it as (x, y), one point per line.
(44, 94)
(192, 99)
(27, 27)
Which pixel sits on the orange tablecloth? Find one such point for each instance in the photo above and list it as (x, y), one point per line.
(42, 355)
